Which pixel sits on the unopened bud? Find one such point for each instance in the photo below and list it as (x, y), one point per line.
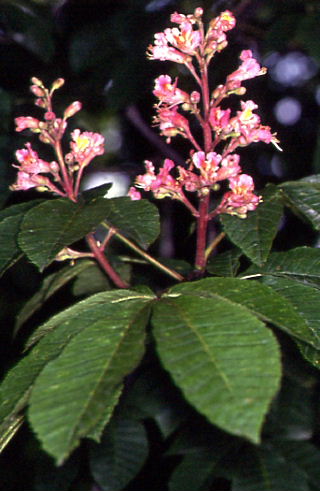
(195, 97)
(41, 103)
(72, 109)
(57, 84)
(49, 116)
(198, 12)
(37, 91)
(37, 82)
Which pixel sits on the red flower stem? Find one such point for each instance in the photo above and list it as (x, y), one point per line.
(203, 219)
(104, 263)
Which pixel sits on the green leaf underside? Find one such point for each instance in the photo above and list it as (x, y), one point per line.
(78, 390)
(301, 264)
(136, 219)
(255, 234)
(120, 455)
(222, 357)
(304, 198)
(53, 337)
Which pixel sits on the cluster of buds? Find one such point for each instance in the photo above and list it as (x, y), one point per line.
(212, 160)
(61, 176)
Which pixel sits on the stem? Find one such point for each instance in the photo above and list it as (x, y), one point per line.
(104, 263)
(145, 255)
(66, 178)
(214, 244)
(202, 226)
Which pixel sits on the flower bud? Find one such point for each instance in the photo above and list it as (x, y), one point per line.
(37, 82)
(72, 109)
(195, 97)
(49, 116)
(198, 12)
(37, 91)
(57, 84)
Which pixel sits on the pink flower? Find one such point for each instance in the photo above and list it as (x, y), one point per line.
(219, 119)
(249, 68)
(168, 92)
(162, 184)
(184, 38)
(171, 122)
(241, 198)
(30, 162)
(27, 122)
(161, 51)
(27, 181)
(224, 22)
(216, 39)
(229, 167)
(85, 146)
(134, 194)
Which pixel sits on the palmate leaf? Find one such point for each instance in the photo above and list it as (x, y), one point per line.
(136, 219)
(10, 220)
(58, 223)
(75, 393)
(304, 199)
(263, 302)
(52, 225)
(255, 234)
(301, 264)
(51, 284)
(120, 455)
(225, 264)
(221, 356)
(266, 470)
(306, 301)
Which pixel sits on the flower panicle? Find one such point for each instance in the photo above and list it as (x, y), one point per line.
(190, 44)
(63, 175)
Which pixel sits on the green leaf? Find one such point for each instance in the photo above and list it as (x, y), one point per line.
(184, 476)
(304, 456)
(10, 220)
(79, 389)
(312, 355)
(56, 224)
(120, 455)
(221, 356)
(254, 235)
(270, 306)
(136, 219)
(292, 414)
(225, 264)
(306, 301)
(304, 199)
(50, 285)
(301, 264)
(266, 470)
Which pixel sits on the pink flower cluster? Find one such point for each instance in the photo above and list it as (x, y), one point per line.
(63, 175)
(191, 45)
